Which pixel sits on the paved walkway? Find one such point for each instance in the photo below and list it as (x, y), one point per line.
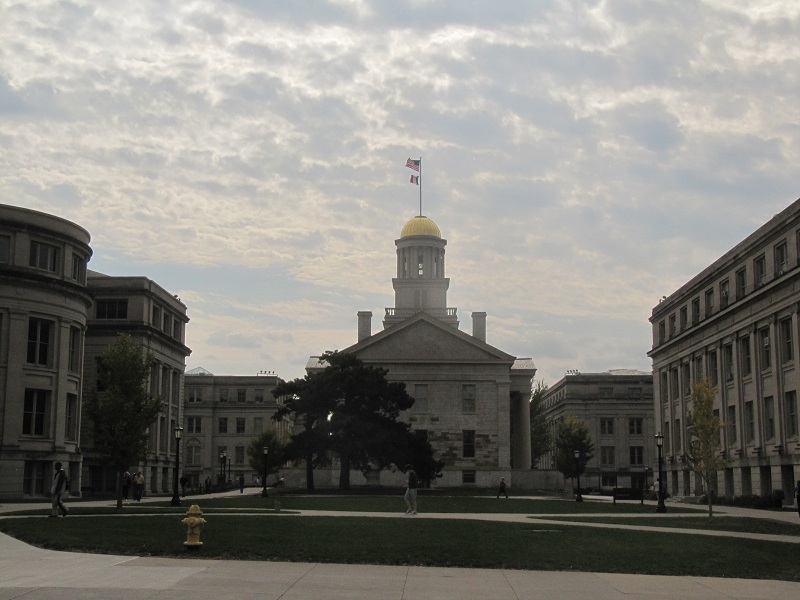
(35, 574)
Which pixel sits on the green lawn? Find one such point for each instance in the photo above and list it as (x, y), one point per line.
(718, 523)
(417, 541)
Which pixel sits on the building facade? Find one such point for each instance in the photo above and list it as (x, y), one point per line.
(736, 323)
(223, 414)
(156, 320)
(617, 408)
(472, 399)
(44, 302)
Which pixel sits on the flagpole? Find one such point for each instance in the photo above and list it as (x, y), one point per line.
(420, 186)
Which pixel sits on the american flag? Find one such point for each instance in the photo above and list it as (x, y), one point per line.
(413, 164)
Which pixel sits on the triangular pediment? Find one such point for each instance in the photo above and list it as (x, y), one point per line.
(423, 338)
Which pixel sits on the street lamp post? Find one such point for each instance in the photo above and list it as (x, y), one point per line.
(577, 453)
(264, 492)
(176, 500)
(660, 444)
(222, 470)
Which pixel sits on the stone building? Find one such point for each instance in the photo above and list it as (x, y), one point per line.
(222, 415)
(736, 323)
(472, 399)
(617, 408)
(156, 320)
(43, 311)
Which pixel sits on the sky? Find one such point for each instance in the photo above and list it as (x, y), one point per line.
(581, 158)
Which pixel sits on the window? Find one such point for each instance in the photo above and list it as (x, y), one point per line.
(222, 425)
(259, 395)
(5, 249)
(698, 369)
(741, 283)
(176, 329)
(239, 424)
(239, 454)
(74, 362)
(672, 326)
(662, 332)
(769, 417)
(223, 395)
(421, 398)
(195, 395)
(608, 480)
(781, 258)
(764, 348)
(664, 388)
(39, 341)
(44, 256)
(78, 268)
(468, 476)
(731, 425)
(112, 309)
(241, 395)
(695, 311)
(156, 316)
(727, 355)
(635, 426)
(34, 412)
(747, 363)
(637, 455)
(713, 372)
(607, 456)
(468, 437)
(674, 388)
(167, 323)
(606, 426)
(709, 303)
(749, 422)
(258, 424)
(420, 270)
(684, 318)
(666, 435)
(724, 293)
(787, 347)
(759, 271)
(606, 392)
(468, 399)
(791, 413)
(687, 380)
(35, 482)
(71, 418)
(194, 425)
(715, 413)
(678, 438)
(193, 454)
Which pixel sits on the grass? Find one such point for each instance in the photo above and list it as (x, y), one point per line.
(733, 524)
(418, 541)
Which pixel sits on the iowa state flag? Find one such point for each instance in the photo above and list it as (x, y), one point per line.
(415, 179)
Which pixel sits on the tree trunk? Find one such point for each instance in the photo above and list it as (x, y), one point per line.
(344, 473)
(120, 475)
(310, 472)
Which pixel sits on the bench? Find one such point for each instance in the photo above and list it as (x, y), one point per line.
(628, 494)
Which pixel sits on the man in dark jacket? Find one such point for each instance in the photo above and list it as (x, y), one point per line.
(57, 491)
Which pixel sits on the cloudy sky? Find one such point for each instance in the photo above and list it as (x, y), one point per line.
(582, 158)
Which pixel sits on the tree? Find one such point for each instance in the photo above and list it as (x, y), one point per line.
(310, 402)
(122, 410)
(350, 410)
(704, 426)
(572, 434)
(275, 453)
(540, 430)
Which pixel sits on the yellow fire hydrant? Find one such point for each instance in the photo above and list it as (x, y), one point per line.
(194, 525)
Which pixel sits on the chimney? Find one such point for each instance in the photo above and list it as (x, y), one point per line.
(364, 324)
(479, 325)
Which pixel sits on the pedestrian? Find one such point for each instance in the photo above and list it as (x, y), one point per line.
(797, 496)
(126, 484)
(184, 480)
(208, 485)
(138, 486)
(241, 484)
(58, 489)
(411, 490)
(502, 488)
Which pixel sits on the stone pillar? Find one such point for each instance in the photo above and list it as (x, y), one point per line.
(364, 325)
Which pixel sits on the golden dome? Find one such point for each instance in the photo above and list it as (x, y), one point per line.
(420, 226)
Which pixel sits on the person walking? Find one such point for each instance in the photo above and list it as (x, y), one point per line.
(126, 484)
(797, 496)
(502, 488)
(184, 481)
(57, 491)
(411, 490)
(138, 486)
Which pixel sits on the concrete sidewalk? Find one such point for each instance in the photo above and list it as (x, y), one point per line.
(35, 574)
